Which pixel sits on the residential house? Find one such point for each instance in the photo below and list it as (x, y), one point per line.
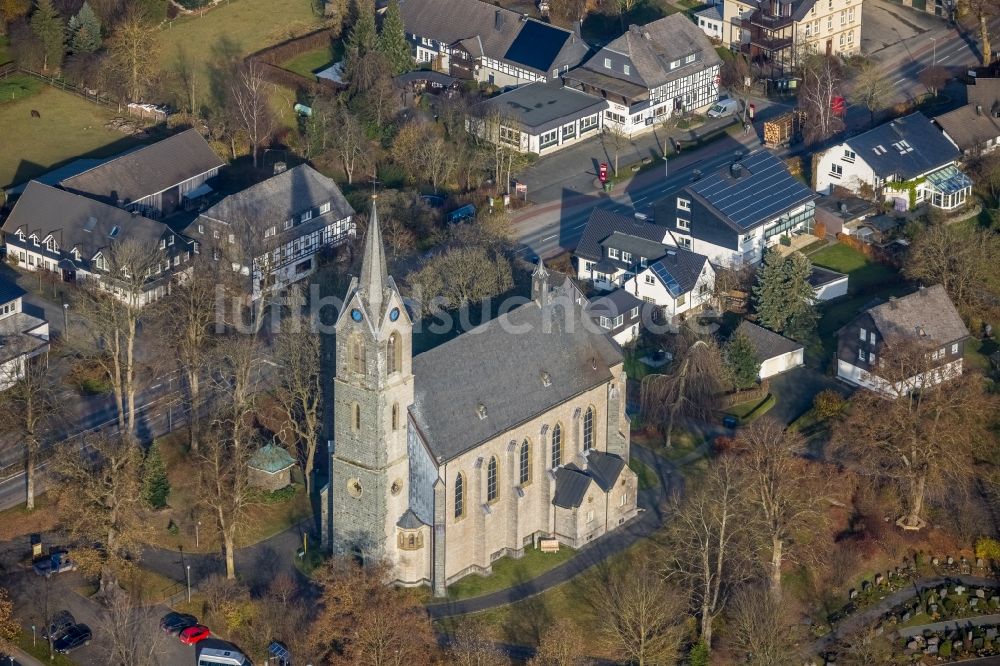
(650, 73)
(710, 21)
(734, 214)
(539, 117)
(22, 336)
(975, 127)
(613, 246)
(469, 39)
(65, 233)
(282, 221)
(775, 33)
(842, 213)
(926, 318)
(776, 353)
(907, 161)
(620, 313)
(679, 281)
(152, 181)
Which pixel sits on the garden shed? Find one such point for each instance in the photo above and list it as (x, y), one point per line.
(271, 468)
(775, 352)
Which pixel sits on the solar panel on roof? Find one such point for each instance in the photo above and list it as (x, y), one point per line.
(667, 279)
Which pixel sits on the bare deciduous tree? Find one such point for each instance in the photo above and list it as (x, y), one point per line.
(983, 12)
(643, 617)
(113, 306)
(784, 490)
(131, 628)
(362, 620)
(351, 143)
(692, 390)
(134, 52)
(225, 454)
(820, 85)
(705, 550)
(561, 644)
(871, 89)
(250, 102)
(100, 501)
(738, 77)
(298, 390)
(963, 262)
(33, 407)
(926, 430)
(616, 136)
(759, 628)
(472, 646)
(934, 78)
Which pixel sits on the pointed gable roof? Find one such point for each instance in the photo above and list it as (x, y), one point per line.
(374, 275)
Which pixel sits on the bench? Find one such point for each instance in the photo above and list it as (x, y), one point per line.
(549, 545)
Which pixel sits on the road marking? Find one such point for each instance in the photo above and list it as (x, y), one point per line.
(549, 238)
(943, 59)
(635, 201)
(899, 81)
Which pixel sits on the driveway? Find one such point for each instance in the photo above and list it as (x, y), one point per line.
(796, 389)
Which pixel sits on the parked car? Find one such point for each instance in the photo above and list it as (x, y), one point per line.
(724, 107)
(57, 562)
(61, 621)
(194, 634)
(75, 637)
(174, 623)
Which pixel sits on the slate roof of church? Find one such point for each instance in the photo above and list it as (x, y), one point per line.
(409, 521)
(605, 468)
(500, 367)
(571, 487)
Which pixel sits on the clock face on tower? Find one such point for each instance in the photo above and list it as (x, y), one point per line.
(394, 314)
(356, 314)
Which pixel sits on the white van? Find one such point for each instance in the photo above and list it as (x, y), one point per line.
(222, 657)
(724, 107)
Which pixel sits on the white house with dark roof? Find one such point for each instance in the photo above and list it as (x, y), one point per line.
(539, 117)
(613, 245)
(710, 21)
(926, 318)
(441, 468)
(905, 155)
(22, 336)
(734, 214)
(678, 281)
(470, 39)
(775, 352)
(55, 230)
(650, 73)
(290, 216)
(154, 180)
(620, 313)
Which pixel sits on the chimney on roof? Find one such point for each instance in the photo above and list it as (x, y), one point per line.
(923, 290)
(892, 303)
(696, 174)
(736, 169)
(498, 20)
(979, 109)
(842, 207)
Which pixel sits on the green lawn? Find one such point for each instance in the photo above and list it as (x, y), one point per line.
(646, 474)
(752, 409)
(235, 28)
(310, 62)
(70, 127)
(18, 87)
(508, 572)
(864, 274)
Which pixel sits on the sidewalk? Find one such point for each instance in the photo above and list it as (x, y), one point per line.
(21, 658)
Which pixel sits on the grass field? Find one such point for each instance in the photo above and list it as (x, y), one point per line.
(18, 87)
(238, 27)
(70, 127)
(310, 62)
(508, 572)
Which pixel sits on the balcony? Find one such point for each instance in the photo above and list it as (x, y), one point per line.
(767, 21)
(762, 42)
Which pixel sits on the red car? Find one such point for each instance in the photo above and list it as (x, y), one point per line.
(192, 635)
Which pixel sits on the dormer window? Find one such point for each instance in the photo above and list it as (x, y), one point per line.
(612, 253)
(626, 69)
(34, 239)
(689, 59)
(619, 320)
(626, 256)
(607, 63)
(675, 64)
(683, 204)
(163, 243)
(324, 208)
(288, 224)
(635, 312)
(20, 234)
(270, 231)
(306, 216)
(100, 262)
(605, 322)
(170, 241)
(201, 229)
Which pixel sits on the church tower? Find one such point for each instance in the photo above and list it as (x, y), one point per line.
(373, 388)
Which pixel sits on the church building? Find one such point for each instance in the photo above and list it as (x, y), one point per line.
(446, 461)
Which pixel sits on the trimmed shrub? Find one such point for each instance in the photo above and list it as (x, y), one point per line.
(945, 650)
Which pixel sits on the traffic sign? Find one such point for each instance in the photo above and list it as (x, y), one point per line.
(603, 172)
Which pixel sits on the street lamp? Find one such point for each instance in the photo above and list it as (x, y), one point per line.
(189, 582)
(934, 40)
(196, 534)
(66, 319)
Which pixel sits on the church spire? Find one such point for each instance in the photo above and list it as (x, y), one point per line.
(374, 275)
(540, 283)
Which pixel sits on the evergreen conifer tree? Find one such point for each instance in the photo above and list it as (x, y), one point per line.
(742, 361)
(392, 41)
(155, 484)
(85, 28)
(784, 300)
(48, 28)
(362, 38)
